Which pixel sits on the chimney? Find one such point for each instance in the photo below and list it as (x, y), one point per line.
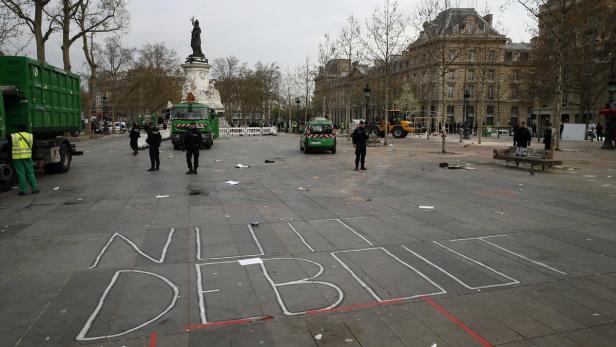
(488, 18)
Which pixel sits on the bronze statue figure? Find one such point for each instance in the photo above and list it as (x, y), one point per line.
(195, 41)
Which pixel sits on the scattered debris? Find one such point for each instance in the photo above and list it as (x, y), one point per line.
(303, 189)
(426, 207)
(596, 314)
(318, 337)
(466, 146)
(455, 167)
(316, 177)
(590, 176)
(227, 216)
(443, 165)
(470, 168)
(267, 161)
(251, 261)
(349, 340)
(254, 224)
(368, 199)
(346, 203)
(56, 188)
(232, 183)
(194, 192)
(241, 166)
(218, 160)
(162, 196)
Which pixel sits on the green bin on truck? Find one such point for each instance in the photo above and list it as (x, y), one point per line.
(46, 100)
(184, 113)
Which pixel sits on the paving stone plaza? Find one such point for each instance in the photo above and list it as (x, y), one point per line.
(305, 251)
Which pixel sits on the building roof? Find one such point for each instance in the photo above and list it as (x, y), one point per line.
(458, 21)
(518, 46)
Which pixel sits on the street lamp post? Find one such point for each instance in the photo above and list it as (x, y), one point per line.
(367, 92)
(467, 95)
(297, 102)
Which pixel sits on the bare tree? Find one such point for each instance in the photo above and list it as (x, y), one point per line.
(407, 101)
(304, 79)
(11, 30)
(225, 68)
(350, 47)
(268, 76)
(33, 14)
(100, 16)
(114, 60)
(442, 52)
(327, 52)
(386, 35)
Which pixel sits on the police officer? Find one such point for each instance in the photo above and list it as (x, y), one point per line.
(20, 146)
(134, 135)
(360, 140)
(154, 139)
(192, 141)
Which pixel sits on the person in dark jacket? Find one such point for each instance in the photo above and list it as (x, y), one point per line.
(154, 139)
(547, 136)
(523, 139)
(360, 142)
(192, 141)
(134, 135)
(599, 129)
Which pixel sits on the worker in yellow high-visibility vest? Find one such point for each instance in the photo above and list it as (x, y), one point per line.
(21, 150)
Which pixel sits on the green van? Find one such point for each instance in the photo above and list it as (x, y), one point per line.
(318, 135)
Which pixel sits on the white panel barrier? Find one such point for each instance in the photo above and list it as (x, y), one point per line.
(253, 131)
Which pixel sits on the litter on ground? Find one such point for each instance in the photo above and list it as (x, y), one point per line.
(232, 183)
(241, 166)
(426, 207)
(162, 196)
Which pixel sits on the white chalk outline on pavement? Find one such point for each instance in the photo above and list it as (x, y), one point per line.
(511, 279)
(135, 247)
(483, 238)
(254, 237)
(306, 280)
(355, 232)
(274, 285)
(370, 290)
(301, 237)
(526, 258)
(86, 327)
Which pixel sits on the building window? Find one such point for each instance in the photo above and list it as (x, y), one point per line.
(490, 92)
(470, 110)
(514, 115)
(450, 110)
(450, 92)
(516, 75)
(516, 56)
(452, 54)
(490, 75)
(490, 115)
(451, 75)
(492, 55)
(471, 75)
(471, 91)
(514, 92)
(472, 55)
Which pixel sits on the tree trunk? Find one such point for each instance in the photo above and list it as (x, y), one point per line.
(66, 31)
(386, 117)
(38, 30)
(443, 135)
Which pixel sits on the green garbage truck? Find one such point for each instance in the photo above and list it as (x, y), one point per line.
(205, 119)
(46, 100)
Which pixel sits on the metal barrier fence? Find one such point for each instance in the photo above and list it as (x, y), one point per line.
(228, 132)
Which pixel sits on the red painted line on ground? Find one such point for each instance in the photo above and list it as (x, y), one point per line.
(456, 321)
(227, 322)
(356, 306)
(153, 339)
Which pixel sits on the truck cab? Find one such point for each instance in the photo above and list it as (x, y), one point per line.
(183, 114)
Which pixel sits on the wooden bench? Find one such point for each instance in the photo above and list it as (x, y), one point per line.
(533, 157)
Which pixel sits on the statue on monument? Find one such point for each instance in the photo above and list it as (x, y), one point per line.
(195, 41)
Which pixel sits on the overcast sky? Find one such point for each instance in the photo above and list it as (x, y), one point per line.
(283, 31)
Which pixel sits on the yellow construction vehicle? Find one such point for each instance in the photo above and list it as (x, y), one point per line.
(399, 124)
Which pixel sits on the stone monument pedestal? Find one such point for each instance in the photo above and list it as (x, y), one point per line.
(197, 81)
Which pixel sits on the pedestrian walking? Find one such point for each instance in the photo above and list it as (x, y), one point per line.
(192, 141)
(522, 139)
(547, 136)
(134, 135)
(599, 129)
(562, 127)
(534, 127)
(20, 147)
(154, 139)
(360, 142)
